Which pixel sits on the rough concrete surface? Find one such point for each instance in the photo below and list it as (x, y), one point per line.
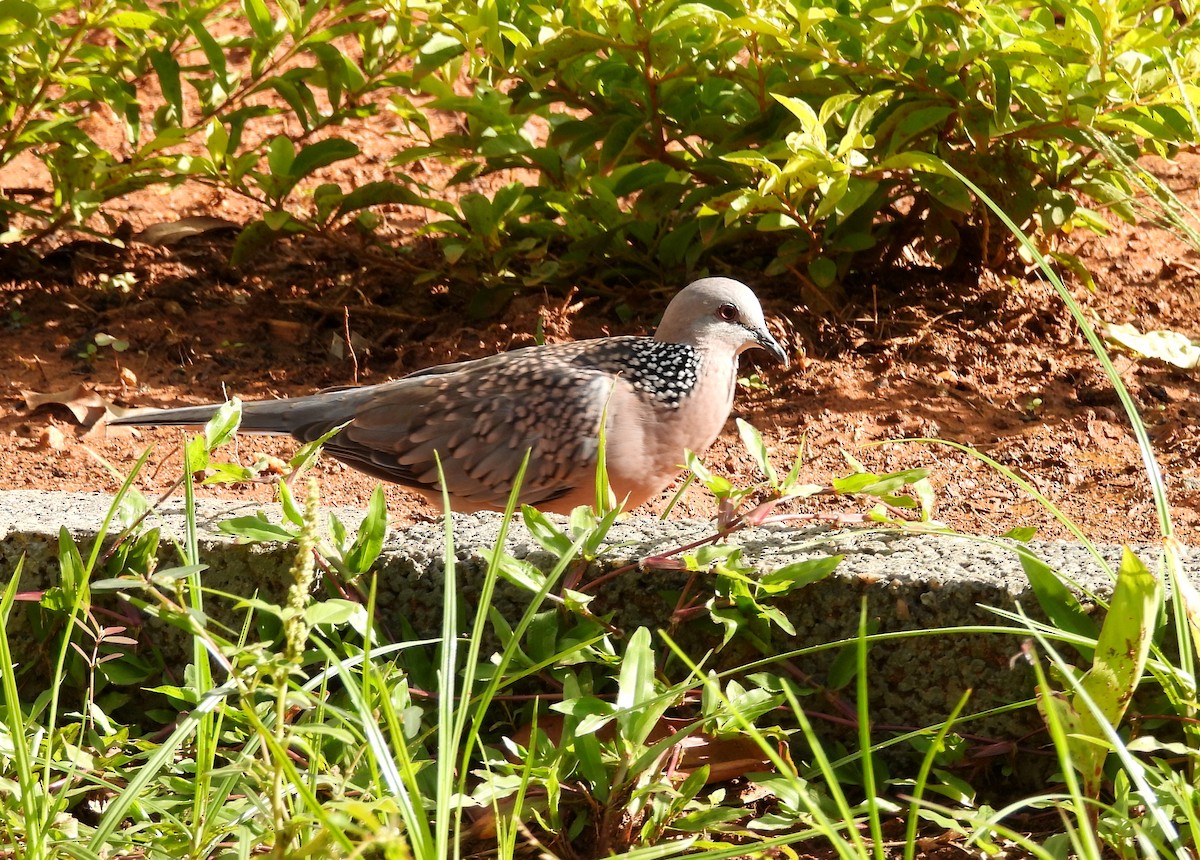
(911, 583)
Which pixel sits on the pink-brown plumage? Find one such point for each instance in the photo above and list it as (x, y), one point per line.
(663, 395)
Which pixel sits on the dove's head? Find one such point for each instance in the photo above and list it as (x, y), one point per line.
(718, 314)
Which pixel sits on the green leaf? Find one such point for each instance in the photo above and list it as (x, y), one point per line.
(635, 688)
(599, 532)
(253, 238)
(127, 671)
(545, 531)
(843, 668)
(1121, 653)
(256, 529)
(372, 531)
(216, 60)
(823, 271)
(802, 111)
(228, 473)
(924, 118)
(858, 192)
(279, 221)
(1002, 92)
(326, 196)
(17, 14)
(216, 137)
(72, 572)
(871, 484)
(680, 246)
(715, 483)
(128, 19)
(631, 178)
(620, 137)
(518, 571)
(1125, 637)
(287, 503)
(923, 489)
(753, 442)
(166, 67)
(195, 455)
(120, 583)
(1061, 606)
(923, 162)
(832, 192)
(333, 611)
(281, 154)
(177, 574)
(439, 50)
(337, 529)
(307, 455)
(320, 154)
(505, 144)
(949, 192)
(1075, 266)
(384, 193)
(299, 98)
(771, 222)
(225, 421)
(259, 17)
(801, 573)
(585, 707)
(478, 212)
(591, 764)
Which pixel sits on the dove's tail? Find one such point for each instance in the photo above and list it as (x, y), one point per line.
(303, 417)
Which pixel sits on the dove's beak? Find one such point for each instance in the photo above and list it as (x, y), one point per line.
(763, 338)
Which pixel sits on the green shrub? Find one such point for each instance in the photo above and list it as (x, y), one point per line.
(62, 62)
(658, 137)
(681, 130)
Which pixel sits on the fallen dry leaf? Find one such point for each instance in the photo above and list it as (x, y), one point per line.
(86, 405)
(171, 232)
(1170, 346)
(287, 331)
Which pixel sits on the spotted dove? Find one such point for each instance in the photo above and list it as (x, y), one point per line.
(662, 394)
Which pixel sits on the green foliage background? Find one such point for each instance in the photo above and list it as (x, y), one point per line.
(656, 137)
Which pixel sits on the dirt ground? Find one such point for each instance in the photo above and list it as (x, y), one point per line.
(997, 366)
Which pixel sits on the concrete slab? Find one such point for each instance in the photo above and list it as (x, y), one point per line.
(911, 583)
